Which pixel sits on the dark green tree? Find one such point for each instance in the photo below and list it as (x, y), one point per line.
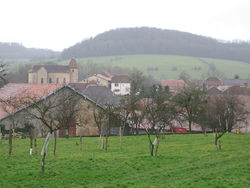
(190, 101)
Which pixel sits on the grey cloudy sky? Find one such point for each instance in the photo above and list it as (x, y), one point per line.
(57, 24)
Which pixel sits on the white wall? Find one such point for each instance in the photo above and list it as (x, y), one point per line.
(121, 88)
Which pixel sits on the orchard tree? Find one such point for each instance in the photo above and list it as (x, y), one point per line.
(58, 110)
(223, 113)
(9, 105)
(190, 102)
(158, 113)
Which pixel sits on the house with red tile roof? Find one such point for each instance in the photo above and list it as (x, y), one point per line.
(175, 86)
(101, 79)
(40, 93)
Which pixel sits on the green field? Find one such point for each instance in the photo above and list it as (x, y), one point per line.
(170, 66)
(183, 161)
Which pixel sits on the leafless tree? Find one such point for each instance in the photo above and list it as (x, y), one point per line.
(222, 114)
(158, 112)
(54, 112)
(9, 105)
(100, 120)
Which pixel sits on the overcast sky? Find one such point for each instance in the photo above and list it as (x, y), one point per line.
(58, 24)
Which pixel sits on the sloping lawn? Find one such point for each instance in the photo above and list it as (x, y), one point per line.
(183, 161)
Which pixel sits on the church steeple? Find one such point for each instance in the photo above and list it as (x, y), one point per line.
(73, 71)
(73, 63)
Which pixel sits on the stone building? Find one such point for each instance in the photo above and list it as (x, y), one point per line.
(57, 74)
(48, 95)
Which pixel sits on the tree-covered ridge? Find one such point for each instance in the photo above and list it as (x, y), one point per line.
(18, 51)
(144, 40)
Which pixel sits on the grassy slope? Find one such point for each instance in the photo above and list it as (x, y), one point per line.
(183, 161)
(165, 64)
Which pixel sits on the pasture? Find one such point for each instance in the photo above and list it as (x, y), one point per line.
(183, 161)
(170, 66)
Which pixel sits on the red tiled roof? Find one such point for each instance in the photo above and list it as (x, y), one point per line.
(17, 91)
(120, 79)
(106, 74)
(237, 90)
(176, 85)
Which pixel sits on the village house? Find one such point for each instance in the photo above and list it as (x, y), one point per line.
(101, 79)
(42, 74)
(84, 126)
(120, 85)
(175, 86)
(209, 83)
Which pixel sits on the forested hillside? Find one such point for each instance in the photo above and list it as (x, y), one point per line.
(18, 51)
(129, 41)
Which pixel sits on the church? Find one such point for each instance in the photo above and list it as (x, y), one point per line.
(56, 74)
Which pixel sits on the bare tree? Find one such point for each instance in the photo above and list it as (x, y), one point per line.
(9, 105)
(158, 113)
(55, 112)
(100, 120)
(66, 114)
(222, 114)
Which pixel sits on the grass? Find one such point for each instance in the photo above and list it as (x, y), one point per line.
(170, 66)
(162, 66)
(183, 161)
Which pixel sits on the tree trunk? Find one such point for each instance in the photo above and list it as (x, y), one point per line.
(102, 140)
(204, 130)
(35, 147)
(219, 145)
(190, 126)
(55, 144)
(157, 146)
(44, 150)
(31, 144)
(81, 143)
(106, 142)
(120, 137)
(216, 141)
(0, 137)
(151, 146)
(10, 142)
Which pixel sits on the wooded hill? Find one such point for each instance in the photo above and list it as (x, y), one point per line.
(18, 51)
(129, 41)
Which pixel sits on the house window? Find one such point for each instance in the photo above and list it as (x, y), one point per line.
(117, 90)
(41, 80)
(50, 80)
(57, 80)
(116, 85)
(72, 70)
(64, 80)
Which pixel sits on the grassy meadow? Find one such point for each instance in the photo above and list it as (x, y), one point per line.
(170, 66)
(183, 161)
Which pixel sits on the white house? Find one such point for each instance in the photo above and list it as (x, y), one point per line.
(120, 85)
